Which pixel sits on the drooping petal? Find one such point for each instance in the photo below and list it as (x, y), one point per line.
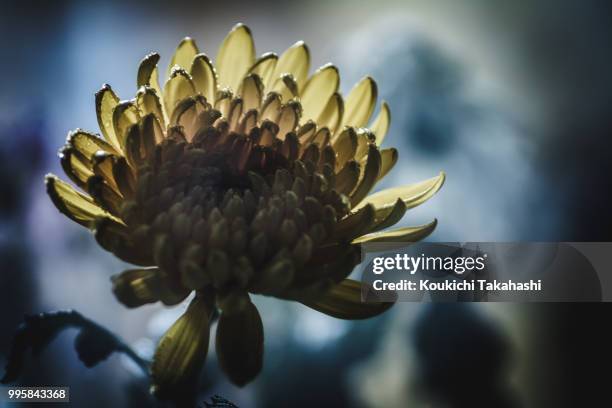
(264, 67)
(136, 287)
(295, 61)
(380, 125)
(76, 206)
(204, 77)
(412, 195)
(236, 55)
(344, 301)
(184, 54)
(360, 103)
(182, 350)
(319, 88)
(106, 101)
(406, 234)
(239, 343)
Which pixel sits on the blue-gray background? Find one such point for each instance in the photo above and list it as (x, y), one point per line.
(511, 99)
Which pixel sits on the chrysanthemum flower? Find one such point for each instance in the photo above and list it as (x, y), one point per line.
(244, 177)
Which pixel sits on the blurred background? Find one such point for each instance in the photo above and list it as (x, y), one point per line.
(512, 99)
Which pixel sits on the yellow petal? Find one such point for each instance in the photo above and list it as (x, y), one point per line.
(386, 217)
(103, 194)
(380, 125)
(360, 103)
(222, 101)
(124, 116)
(182, 350)
(74, 166)
(389, 158)
(103, 164)
(187, 114)
(236, 55)
(87, 144)
(251, 92)
(76, 206)
(125, 178)
(347, 177)
(147, 72)
(137, 287)
(331, 117)
(239, 343)
(178, 87)
(106, 101)
(344, 301)
(295, 61)
(345, 146)
(288, 118)
(355, 224)
(271, 106)
(204, 77)
(184, 54)
(370, 175)
(234, 114)
(322, 137)
(148, 101)
(286, 86)
(264, 67)
(406, 234)
(412, 195)
(319, 88)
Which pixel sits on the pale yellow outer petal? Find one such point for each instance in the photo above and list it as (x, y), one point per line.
(380, 125)
(204, 77)
(148, 73)
(125, 116)
(184, 54)
(148, 101)
(178, 87)
(75, 205)
(264, 67)
(319, 88)
(236, 55)
(106, 101)
(412, 195)
(295, 61)
(406, 234)
(331, 117)
(389, 158)
(360, 103)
